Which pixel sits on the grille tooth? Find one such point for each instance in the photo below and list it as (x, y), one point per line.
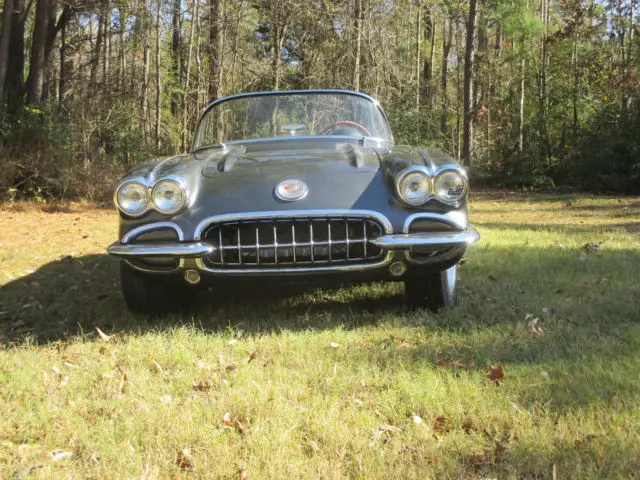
(305, 242)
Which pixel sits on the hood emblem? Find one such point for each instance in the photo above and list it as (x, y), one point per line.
(291, 190)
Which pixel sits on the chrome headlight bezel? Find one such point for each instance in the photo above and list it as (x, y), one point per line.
(461, 174)
(409, 173)
(179, 186)
(144, 190)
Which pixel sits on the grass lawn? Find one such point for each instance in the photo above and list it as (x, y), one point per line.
(264, 385)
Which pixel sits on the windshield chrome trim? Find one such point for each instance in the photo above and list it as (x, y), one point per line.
(206, 110)
(335, 138)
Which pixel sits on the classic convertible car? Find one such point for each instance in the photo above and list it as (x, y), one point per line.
(292, 186)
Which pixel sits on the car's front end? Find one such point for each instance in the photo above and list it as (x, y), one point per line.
(295, 207)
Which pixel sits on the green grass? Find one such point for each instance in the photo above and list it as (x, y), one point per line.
(312, 384)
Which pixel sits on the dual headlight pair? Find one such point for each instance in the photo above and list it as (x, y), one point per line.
(167, 197)
(416, 187)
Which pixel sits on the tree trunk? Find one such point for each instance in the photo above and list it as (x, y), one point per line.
(576, 87)
(144, 94)
(106, 54)
(427, 69)
(15, 71)
(216, 40)
(467, 140)
(158, 79)
(521, 106)
(97, 53)
(544, 63)
(5, 37)
(447, 36)
(176, 70)
(357, 26)
(66, 69)
(35, 81)
(122, 15)
(418, 55)
(187, 80)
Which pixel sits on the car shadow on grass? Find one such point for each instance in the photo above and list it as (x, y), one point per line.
(498, 285)
(74, 295)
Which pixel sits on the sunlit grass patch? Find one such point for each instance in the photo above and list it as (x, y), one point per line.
(312, 385)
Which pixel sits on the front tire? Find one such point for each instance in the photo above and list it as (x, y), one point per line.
(434, 291)
(153, 294)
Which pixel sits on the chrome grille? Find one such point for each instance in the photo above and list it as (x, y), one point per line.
(294, 242)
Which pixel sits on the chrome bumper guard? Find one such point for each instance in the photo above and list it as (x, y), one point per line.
(389, 242)
(431, 239)
(133, 250)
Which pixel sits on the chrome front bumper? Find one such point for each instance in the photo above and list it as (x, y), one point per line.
(404, 241)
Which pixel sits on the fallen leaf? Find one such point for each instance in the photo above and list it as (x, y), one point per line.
(184, 459)
(103, 335)
(58, 455)
(402, 343)
(592, 246)
(123, 383)
(202, 386)
(240, 426)
(253, 355)
(441, 425)
(452, 363)
(479, 458)
(495, 374)
(531, 324)
(158, 366)
(586, 439)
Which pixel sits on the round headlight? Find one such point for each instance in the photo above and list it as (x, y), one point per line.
(133, 198)
(450, 186)
(414, 187)
(168, 196)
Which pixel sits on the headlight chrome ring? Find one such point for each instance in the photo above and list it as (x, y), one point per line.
(414, 186)
(451, 186)
(168, 196)
(132, 198)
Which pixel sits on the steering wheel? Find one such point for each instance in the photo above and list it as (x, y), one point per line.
(349, 123)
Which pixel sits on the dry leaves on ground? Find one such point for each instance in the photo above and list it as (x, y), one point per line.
(452, 363)
(495, 374)
(532, 324)
(401, 342)
(184, 459)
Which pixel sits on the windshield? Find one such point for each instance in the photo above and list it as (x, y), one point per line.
(289, 114)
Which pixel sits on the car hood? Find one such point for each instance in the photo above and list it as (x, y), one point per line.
(241, 178)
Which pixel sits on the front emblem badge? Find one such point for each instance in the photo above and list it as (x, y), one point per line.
(291, 190)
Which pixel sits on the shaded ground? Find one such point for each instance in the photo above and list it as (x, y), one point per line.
(313, 385)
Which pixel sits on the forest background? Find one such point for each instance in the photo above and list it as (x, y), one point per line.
(525, 93)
